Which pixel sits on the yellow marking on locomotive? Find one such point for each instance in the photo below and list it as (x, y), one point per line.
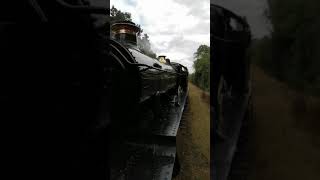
(162, 59)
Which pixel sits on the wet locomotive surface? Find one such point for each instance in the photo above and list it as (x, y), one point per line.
(150, 154)
(148, 97)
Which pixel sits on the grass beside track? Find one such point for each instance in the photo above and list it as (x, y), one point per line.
(194, 137)
(284, 137)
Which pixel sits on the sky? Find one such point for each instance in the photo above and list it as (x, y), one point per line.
(253, 10)
(176, 28)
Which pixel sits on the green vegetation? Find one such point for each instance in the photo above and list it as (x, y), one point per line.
(286, 112)
(117, 15)
(292, 52)
(143, 39)
(201, 76)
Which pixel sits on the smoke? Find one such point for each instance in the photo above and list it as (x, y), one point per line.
(144, 45)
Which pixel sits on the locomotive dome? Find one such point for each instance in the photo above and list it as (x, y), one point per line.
(162, 59)
(125, 32)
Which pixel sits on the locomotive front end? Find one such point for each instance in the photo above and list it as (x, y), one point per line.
(139, 75)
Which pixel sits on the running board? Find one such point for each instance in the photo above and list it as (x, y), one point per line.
(151, 155)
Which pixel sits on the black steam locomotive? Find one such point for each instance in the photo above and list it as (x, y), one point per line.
(148, 98)
(138, 78)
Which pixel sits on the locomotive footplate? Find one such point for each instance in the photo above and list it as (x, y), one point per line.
(150, 154)
(140, 160)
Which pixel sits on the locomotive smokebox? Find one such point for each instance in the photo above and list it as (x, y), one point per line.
(125, 32)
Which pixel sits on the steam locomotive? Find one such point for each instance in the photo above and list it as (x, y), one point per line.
(148, 99)
(137, 78)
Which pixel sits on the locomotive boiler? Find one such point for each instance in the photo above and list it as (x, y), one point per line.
(137, 78)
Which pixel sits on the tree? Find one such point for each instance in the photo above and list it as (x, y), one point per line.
(201, 76)
(294, 44)
(117, 15)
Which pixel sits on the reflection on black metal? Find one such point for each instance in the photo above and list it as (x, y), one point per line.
(228, 27)
(230, 38)
(150, 151)
(148, 98)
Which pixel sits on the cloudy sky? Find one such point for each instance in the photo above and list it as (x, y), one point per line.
(253, 10)
(176, 28)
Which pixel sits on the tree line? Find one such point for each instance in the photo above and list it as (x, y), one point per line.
(201, 65)
(292, 51)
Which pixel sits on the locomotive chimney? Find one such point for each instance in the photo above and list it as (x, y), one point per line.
(125, 32)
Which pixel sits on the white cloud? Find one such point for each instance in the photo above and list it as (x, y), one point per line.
(176, 28)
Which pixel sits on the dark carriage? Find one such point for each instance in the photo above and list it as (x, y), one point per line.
(231, 97)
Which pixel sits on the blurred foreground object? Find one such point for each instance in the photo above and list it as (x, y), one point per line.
(230, 38)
